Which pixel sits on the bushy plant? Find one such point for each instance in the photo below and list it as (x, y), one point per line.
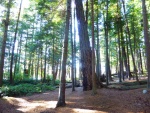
(18, 77)
(25, 89)
(49, 78)
(57, 82)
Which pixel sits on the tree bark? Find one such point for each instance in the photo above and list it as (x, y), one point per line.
(12, 54)
(147, 40)
(93, 51)
(6, 24)
(98, 66)
(61, 98)
(44, 79)
(129, 39)
(72, 56)
(75, 48)
(107, 67)
(84, 47)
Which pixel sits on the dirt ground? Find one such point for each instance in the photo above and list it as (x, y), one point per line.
(106, 101)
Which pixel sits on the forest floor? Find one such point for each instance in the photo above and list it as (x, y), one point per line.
(106, 101)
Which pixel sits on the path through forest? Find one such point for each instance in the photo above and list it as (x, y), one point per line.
(106, 101)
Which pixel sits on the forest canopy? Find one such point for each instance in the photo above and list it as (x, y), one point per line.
(105, 39)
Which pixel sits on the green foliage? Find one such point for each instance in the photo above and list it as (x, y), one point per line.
(18, 77)
(57, 82)
(25, 89)
(49, 78)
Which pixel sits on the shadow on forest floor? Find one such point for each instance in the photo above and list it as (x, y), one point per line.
(106, 101)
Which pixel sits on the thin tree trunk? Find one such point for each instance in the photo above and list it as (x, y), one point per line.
(44, 79)
(53, 67)
(93, 51)
(17, 60)
(106, 42)
(20, 44)
(41, 66)
(61, 97)
(72, 56)
(12, 55)
(98, 66)
(37, 68)
(119, 47)
(128, 60)
(25, 59)
(75, 48)
(140, 61)
(129, 38)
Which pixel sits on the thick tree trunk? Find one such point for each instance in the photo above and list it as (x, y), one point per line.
(84, 47)
(61, 98)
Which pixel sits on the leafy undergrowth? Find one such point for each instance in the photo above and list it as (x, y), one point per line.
(128, 85)
(25, 89)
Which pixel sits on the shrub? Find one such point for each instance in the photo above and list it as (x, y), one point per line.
(25, 89)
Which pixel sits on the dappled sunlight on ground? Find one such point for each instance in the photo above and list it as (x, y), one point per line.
(106, 101)
(26, 106)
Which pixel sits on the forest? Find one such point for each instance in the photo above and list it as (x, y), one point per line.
(60, 53)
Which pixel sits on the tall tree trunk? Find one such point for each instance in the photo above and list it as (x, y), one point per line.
(118, 22)
(108, 73)
(12, 55)
(72, 56)
(93, 51)
(6, 24)
(53, 67)
(119, 47)
(20, 45)
(124, 54)
(147, 40)
(98, 66)
(85, 49)
(41, 65)
(25, 59)
(129, 39)
(17, 60)
(45, 63)
(74, 48)
(61, 98)
(140, 61)
(38, 60)
(128, 60)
